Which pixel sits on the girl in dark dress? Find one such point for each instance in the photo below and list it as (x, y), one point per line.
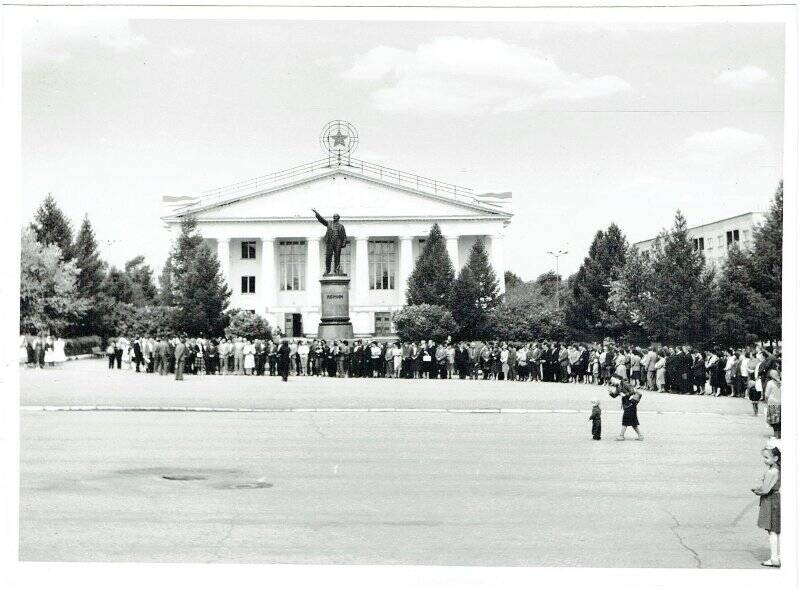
(769, 509)
(630, 400)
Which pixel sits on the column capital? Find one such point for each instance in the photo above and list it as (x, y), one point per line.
(361, 237)
(406, 237)
(271, 238)
(313, 238)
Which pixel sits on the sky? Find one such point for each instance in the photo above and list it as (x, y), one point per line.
(586, 124)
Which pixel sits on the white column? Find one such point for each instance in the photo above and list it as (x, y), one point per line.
(405, 266)
(498, 260)
(224, 255)
(312, 272)
(452, 251)
(268, 276)
(362, 271)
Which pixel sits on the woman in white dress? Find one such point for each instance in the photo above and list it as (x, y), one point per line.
(48, 350)
(249, 357)
(23, 349)
(126, 357)
(59, 357)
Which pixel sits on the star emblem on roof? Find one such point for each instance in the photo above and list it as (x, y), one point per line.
(338, 139)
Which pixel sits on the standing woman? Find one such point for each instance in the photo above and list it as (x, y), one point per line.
(504, 363)
(48, 350)
(24, 357)
(397, 359)
(283, 360)
(698, 374)
(773, 396)
(630, 400)
(249, 351)
(661, 371)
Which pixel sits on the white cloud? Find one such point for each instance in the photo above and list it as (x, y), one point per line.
(46, 40)
(744, 77)
(455, 75)
(722, 144)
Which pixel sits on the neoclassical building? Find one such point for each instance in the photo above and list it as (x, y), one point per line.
(269, 242)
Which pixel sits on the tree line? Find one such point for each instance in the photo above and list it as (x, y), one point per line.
(68, 289)
(667, 295)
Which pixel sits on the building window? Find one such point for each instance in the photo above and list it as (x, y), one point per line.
(383, 323)
(719, 241)
(248, 284)
(292, 256)
(420, 247)
(248, 250)
(745, 235)
(698, 244)
(732, 236)
(381, 264)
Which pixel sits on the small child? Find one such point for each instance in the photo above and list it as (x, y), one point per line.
(769, 510)
(595, 419)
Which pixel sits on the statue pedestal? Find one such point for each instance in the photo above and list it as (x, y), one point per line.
(335, 307)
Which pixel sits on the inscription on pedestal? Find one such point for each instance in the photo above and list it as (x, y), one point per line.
(335, 308)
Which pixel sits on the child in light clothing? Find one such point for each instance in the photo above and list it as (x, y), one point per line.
(595, 419)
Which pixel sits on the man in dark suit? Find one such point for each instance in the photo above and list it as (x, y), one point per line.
(138, 358)
(180, 359)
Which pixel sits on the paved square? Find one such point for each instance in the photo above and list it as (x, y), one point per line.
(381, 487)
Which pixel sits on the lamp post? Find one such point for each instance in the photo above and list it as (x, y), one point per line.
(556, 255)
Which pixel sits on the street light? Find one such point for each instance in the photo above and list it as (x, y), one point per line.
(557, 255)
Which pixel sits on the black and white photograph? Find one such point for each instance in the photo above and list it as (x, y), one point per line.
(503, 291)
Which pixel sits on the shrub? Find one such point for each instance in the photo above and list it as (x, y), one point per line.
(418, 322)
(82, 345)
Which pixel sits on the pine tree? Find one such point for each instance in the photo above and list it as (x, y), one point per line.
(738, 304)
(87, 259)
(512, 280)
(52, 227)
(118, 286)
(200, 293)
(587, 307)
(468, 310)
(766, 268)
(484, 274)
(431, 282)
(141, 276)
(166, 294)
(683, 297)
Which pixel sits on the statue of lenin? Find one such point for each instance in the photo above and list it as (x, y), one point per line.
(335, 240)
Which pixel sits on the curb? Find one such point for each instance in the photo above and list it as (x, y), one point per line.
(490, 410)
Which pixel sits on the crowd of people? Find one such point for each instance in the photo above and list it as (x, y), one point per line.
(747, 372)
(42, 350)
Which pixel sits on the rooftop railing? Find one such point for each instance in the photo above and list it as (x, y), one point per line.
(367, 169)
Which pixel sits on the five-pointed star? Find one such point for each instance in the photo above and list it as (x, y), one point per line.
(338, 139)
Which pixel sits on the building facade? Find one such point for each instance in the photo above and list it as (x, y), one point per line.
(713, 239)
(272, 254)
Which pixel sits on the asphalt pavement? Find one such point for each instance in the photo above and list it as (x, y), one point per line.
(425, 487)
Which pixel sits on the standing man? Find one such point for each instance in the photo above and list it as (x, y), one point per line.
(180, 358)
(238, 356)
(649, 366)
(137, 352)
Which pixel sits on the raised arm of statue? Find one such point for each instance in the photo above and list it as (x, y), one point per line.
(320, 218)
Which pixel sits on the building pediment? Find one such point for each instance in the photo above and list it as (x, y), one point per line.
(349, 193)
